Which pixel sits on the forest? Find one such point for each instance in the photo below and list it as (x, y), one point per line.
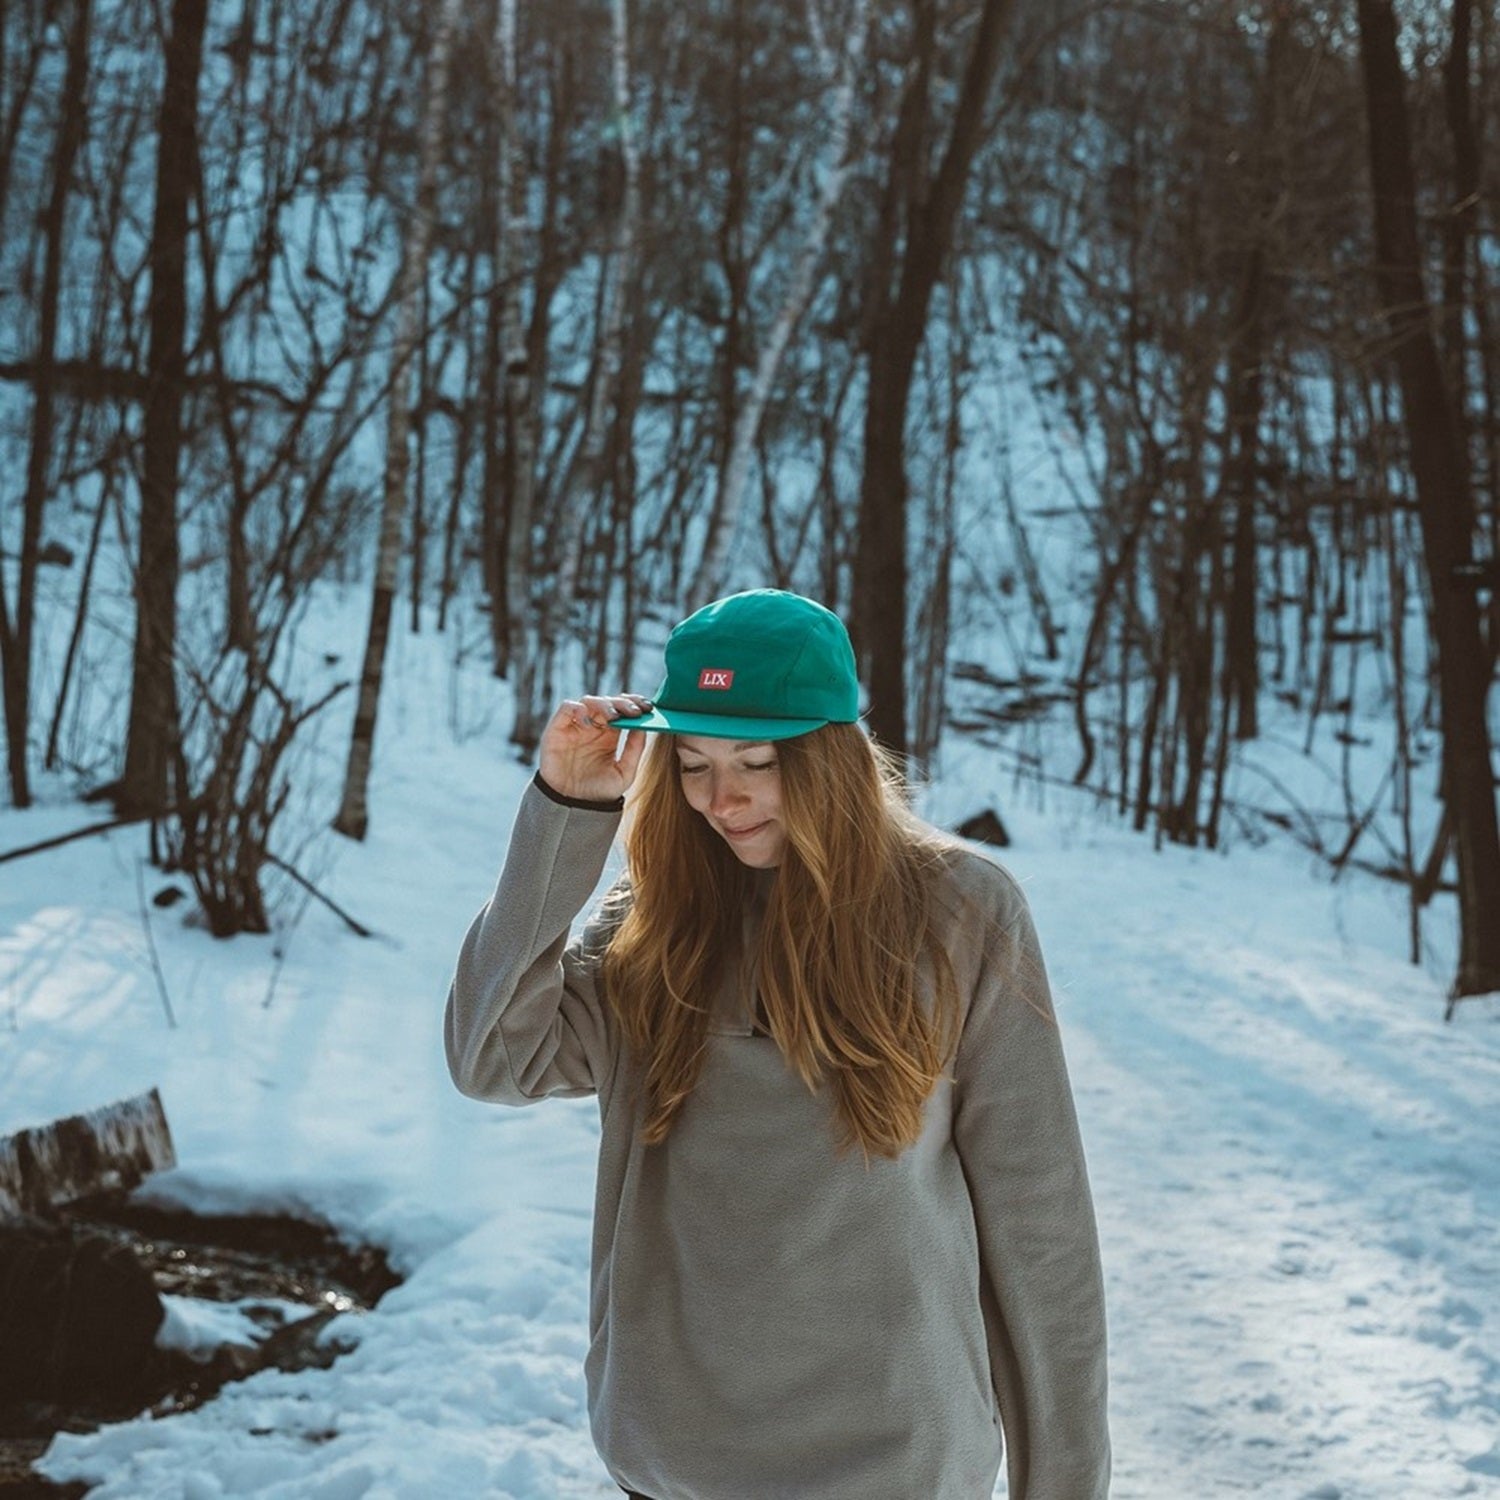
(550, 323)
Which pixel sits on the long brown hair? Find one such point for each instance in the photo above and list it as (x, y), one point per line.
(847, 926)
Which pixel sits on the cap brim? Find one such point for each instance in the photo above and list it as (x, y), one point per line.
(717, 726)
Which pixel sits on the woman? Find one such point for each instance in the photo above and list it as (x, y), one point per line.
(842, 1229)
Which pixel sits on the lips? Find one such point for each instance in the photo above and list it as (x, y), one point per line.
(741, 833)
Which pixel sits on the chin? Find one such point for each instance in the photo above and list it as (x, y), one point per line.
(758, 858)
(760, 861)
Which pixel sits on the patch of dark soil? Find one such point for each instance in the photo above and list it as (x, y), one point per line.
(222, 1258)
(228, 1256)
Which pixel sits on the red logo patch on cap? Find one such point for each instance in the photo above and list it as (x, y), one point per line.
(715, 677)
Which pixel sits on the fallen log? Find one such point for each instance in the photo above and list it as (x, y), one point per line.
(115, 1146)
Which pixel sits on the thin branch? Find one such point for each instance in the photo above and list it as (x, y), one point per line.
(161, 979)
(311, 889)
(68, 838)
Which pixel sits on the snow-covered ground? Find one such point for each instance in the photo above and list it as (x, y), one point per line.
(1296, 1164)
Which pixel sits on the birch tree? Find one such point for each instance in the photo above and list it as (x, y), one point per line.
(508, 563)
(838, 72)
(584, 477)
(353, 815)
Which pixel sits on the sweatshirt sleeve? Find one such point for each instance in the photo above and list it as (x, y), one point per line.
(524, 1018)
(1041, 1284)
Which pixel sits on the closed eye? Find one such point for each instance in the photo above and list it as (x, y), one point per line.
(758, 765)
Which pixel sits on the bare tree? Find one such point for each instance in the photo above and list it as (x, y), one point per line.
(585, 474)
(153, 688)
(919, 214)
(15, 640)
(507, 556)
(838, 74)
(353, 816)
(1445, 505)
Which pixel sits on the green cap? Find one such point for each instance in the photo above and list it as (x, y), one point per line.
(762, 665)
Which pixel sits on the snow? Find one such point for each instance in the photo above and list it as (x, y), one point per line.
(1294, 1160)
(197, 1327)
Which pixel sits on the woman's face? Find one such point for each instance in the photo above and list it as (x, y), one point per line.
(736, 786)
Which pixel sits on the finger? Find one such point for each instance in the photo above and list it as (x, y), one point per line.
(601, 710)
(630, 700)
(586, 713)
(628, 756)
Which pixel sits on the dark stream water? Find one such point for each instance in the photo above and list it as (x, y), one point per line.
(221, 1258)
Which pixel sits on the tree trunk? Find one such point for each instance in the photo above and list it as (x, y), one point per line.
(735, 269)
(524, 349)
(154, 727)
(494, 438)
(1444, 500)
(353, 815)
(416, 571)
(930, 212)
(585, 475)
(1244, 400)
(1466, 285)
(239, 632)
(1463, 212)
(15, 642)
(729, 491)
(463, 441)
(1245, 397)
(80, 615)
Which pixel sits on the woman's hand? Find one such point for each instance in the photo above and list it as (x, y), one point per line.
(578, 747)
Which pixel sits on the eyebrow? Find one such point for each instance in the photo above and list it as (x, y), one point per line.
(739, 745)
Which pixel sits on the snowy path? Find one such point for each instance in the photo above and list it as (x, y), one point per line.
(1296, 1179)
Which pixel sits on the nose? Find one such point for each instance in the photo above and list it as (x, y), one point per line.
(727, 793)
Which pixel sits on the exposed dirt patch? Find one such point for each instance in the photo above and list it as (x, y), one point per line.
(223, 1258)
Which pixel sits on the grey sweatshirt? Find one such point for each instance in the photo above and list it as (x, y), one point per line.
(768, 1321)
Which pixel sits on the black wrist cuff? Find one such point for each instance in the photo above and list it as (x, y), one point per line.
(616, 806)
